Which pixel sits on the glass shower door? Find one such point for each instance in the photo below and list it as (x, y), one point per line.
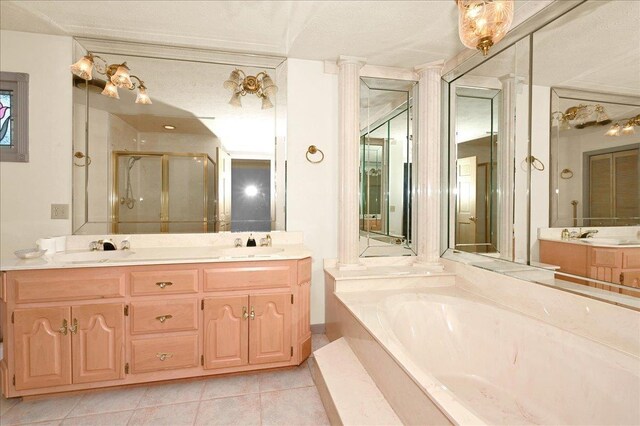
(187, 193)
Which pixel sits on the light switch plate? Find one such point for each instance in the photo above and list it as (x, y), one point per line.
(59, 211)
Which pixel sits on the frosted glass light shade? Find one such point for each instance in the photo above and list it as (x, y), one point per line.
(143, 97)
(83, 68)
(266, 103)
(628, 129)
(110, 90)
(122, 78)
(613, 130)
(233, 82)
(235, 100)
(268, 86)
(482, 23)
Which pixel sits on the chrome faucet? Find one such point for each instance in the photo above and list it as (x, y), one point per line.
(589, 233)
(102, 245)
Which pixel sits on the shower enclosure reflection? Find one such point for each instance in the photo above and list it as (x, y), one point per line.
(162, 192)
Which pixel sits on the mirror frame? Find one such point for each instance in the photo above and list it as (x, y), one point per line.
(207, 56)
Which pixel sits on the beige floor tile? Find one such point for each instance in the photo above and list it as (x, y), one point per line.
(293, 407)
(103, 419)
(173, 415)
(219, 387)
(318, 341)
(108, 401)
(172, 393)
(55, 408)
(5, 404)
(238, 410)
(297, 377)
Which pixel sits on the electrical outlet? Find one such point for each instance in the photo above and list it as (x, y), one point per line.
(59, 211)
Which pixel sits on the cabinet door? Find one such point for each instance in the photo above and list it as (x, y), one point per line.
(270, 328)
(42, 347)
(226, 332)
(97, 342)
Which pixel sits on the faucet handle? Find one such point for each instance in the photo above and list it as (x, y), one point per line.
(237, 242)
(125, 244)
(94, 246)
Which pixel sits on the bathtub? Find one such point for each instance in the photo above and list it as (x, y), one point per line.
(481, 363)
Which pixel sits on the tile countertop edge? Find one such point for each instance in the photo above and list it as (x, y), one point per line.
(296, 252)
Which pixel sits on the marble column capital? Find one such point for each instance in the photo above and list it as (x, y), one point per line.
(430, 66)
(356, 60)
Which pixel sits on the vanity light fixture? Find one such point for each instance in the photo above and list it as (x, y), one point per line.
(626, 129)
(118, 76)
(582, 116)
(483, 23)
(260, 85)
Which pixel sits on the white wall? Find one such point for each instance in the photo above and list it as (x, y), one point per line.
(540, 196)
(312, 189)
(27, 190)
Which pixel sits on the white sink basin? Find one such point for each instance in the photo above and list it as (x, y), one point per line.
(251, 251)
(91, 256)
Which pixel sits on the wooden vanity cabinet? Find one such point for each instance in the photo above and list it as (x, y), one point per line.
(82, 328)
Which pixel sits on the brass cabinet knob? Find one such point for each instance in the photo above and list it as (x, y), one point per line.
(162, 356)
(252, 315)
(74, 326)
(163, 284)
(163, 318)
(63, 328)
(245, 314)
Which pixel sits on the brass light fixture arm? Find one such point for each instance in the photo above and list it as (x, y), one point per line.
(135, 85)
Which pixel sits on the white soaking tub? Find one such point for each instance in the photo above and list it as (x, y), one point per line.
(481, 363)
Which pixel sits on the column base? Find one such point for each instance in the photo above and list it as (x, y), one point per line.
(431, 266)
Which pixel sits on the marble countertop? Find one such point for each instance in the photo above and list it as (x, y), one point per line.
(155, 256)
(598, 242)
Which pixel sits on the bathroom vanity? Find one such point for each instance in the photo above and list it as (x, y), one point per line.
(83, 327)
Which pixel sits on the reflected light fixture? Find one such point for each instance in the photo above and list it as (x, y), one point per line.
(624, 127)
(118, 77)
(260, 85)
(251, 190)
(169, 127)
(483, 23)
(582, 116)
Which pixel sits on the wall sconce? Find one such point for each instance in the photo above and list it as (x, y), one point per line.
(582, 116)
(483, 23)
(118, 76)
(261, 85)
(626, 129)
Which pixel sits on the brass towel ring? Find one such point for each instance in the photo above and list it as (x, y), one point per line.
(314, 150)
(566, 174)
(534, 162)
(79, 154)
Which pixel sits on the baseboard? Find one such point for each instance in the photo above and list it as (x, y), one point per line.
(317, 328)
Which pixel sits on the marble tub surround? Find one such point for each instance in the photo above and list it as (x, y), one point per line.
(501, 380)
(158, 249)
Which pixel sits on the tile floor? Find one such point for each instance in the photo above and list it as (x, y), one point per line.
(287, 397)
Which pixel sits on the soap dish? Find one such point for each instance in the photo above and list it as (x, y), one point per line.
(31, 253)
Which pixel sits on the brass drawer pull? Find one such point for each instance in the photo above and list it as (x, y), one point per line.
(245, 315)
(74, 326)
(163, 284)
(63, 329)
(163, 318)
(163, 356)
(252, 315)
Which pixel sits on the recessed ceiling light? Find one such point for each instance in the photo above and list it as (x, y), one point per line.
(169, 127)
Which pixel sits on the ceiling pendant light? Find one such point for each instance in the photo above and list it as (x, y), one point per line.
(483, 23)
(117, 76)
(260, 85)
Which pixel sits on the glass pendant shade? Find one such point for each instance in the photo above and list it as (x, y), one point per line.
(235, 100)
(613, 130)
(122, 78)
(482, 23)
(83, 68)
(565, 125)
(266, 103)
(233, 82)
(143, 97)
(628, 129)
(268, 87)
(601, 115)
(110, 90)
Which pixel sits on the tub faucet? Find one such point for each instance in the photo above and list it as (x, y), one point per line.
(589, 233)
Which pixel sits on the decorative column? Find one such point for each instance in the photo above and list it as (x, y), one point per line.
(506, 167)
(349, 145)
(428, 171)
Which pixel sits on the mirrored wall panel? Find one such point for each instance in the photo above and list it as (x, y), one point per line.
(386, 167)
(189, 146)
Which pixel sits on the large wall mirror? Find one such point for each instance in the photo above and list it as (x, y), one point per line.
(387, 129)
(555, 116)
(194, 160)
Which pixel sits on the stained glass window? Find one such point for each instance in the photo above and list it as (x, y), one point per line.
(6, 128)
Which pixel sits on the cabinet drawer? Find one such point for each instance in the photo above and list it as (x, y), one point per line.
(53, 285)
(249, 275)
(631, 259)
(164, 315)
(164, 353)
(146, 283)
(610, 257)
